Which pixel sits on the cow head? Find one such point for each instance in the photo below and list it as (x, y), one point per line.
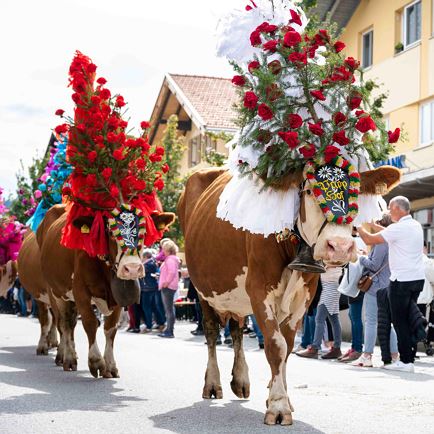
(8, 273)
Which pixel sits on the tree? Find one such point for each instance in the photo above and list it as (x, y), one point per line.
(174, 184)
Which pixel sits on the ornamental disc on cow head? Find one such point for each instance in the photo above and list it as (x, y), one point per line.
(335, 186)
(127, 225)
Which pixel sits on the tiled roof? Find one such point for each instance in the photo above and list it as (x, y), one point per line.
(212, 97)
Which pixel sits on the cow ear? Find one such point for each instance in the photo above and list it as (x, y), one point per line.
(379, 181)
(84, 223)
(163, 220)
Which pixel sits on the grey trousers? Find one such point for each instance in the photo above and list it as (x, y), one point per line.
(321, 314)
(168, 295)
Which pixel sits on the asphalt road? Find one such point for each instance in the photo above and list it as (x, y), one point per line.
(161, 385)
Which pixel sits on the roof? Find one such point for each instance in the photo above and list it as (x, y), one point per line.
(212, 98)
(340, 10)
(415, 185)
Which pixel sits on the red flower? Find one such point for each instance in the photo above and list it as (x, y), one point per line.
(145, 125)
(165, 168)
(105, 94)
(159, 150)
(275, 67)
(308, 151)
(290, 138)
(339, 118)
(316, 129)
(265, 112)
(76, 97)
(354, 100)
(91, 156)
(360, 113)
(114, 191)
(298, 58)
(159, 184)
(322, 37)
(318, 95)
(118, 154)
(295, 121)
(340, 138)
(120, 101)
(238, 80)
(292, 38)
(59, 112)
(154, 158)
(91, 180)
(139, 184)
(339, 46)
(351, 63)
(339, 220)
(61, 129)
(254, 64)
(66, 191)
(295, 18)
(102, 81)
(250, 100)
(91, 68)
(107, 172)
(270, 46)
(365, 124)
(273, 92)
(394, 137)
(264, 136)
(255, 38)
(330, 152)
(140, 163)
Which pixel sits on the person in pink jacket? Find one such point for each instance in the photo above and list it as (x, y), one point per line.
(168, 284)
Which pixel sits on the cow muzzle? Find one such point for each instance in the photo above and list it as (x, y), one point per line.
(340, 251)
(130, 270)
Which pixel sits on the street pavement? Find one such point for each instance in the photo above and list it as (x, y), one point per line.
(161, 386)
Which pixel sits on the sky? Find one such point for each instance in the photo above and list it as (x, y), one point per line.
(133, 43)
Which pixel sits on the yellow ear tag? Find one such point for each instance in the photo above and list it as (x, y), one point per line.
(85, 229)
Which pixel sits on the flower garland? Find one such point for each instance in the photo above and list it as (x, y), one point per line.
(310, 173)
(301, 100)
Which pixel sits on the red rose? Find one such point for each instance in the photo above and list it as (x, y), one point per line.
(102, 81)
(118, 154)
(308, 151)
(339, 46)
(255, 38)
(351, 63)
(107, 172)
(91, 68)
(139, 184)
(275, 67)
(365, 124)
(254, 64)
(61, 129)
(394, 137)
(298, 58)
(105, 94)
(144, 125)
(322, 37)
(265, 112)
(359, 113)
(66, 191)
(140, 163)
(295, 121)
(120, 101)
(271, 28)
(159, 150)
(290, 138)
(273, 92)
(318, 95)
(76, 97)
(159, 184)
(165, 168)
(339, 118)
(59, 112)
(291, 38)
(316, 129)
(295, 18)
(330, 152)
(155, 158)
(250, 100)
(270, 46)
(114, 191)
(354, 100)
(312, 50)
(238, 80)
(91, 180)
(340, 138)
(91, 156)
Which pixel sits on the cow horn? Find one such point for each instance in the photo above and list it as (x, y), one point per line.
(304, 261)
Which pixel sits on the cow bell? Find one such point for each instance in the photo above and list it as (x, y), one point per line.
(304, 261)
(125, 292)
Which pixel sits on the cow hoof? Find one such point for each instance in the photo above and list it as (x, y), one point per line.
(240, 388)
(42, 351)
(212, 390)
(97, 368)
(280, 417)
(58, 360)
(54, 344)
(70, 365)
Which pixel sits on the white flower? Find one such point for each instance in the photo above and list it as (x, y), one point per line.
(325, 173)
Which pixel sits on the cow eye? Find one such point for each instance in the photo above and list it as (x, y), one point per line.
(308, 192)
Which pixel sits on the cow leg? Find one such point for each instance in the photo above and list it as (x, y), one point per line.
(240, 383)
(52, 334)
(278, 405)
(110, 329)
(45, 321)
(289, 335)
(211, 328)
(67, 323)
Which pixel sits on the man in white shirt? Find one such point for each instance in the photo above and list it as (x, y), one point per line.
(407, 275)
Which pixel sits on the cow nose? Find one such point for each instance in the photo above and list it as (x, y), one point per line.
(343, 246)
(132, 269)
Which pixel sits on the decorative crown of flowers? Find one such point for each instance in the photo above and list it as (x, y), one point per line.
(301, 101)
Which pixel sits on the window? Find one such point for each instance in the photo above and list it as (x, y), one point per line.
(367, 46)
(427, 123)
(195, 151)
(412, 23)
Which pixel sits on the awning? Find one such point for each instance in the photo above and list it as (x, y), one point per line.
(415, 185)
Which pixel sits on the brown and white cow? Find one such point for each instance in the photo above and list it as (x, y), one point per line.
(8, 273)
(77, 281)
(238, 273)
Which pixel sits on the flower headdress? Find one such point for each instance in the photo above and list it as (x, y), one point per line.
(110, 167)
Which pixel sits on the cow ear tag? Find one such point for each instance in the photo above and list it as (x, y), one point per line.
(85, 229)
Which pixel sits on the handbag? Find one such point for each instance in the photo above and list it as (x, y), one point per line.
(352, 274)
(365, 282)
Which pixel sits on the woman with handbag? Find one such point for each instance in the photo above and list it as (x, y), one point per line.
(375, 278)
